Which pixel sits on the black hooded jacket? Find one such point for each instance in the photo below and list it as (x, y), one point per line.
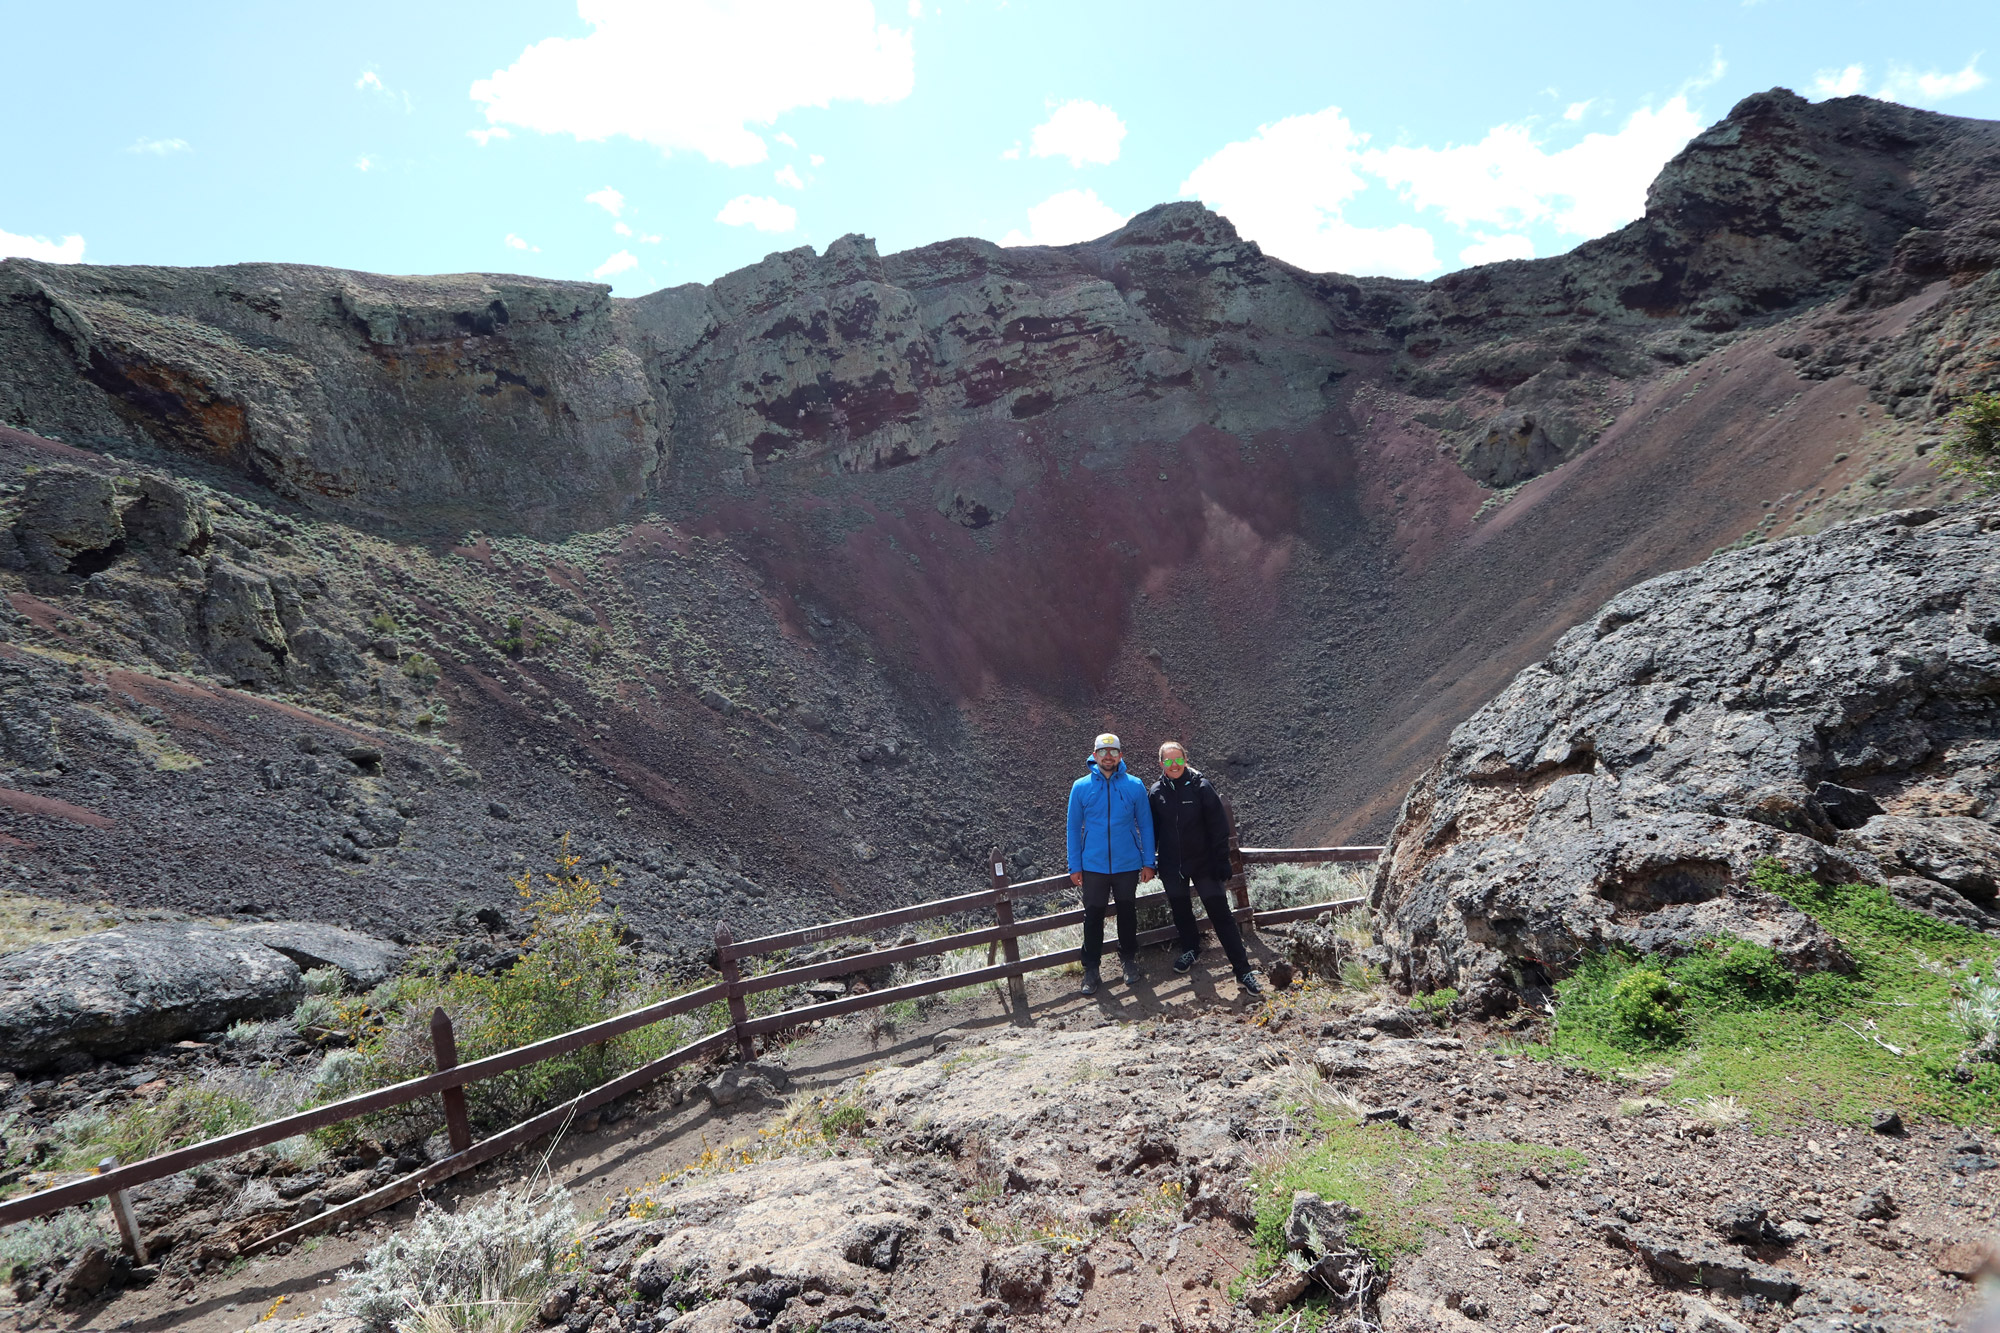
(1190, 828)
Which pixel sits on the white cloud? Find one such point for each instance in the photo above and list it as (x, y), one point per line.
(608, 199)
(364, 163)
(1064, 219)
(160, 147)
(786, 176)
(1575, 110)
(618, 263)
(1492, 249)
(1509, 179)
(1911, 88)
(1285, 189)
(916, 9)
(371, 82)
(621, 229)
(697, 77)
(1839, 82)
(1011, 154)
(765, 214)
(817, 160)
(786, 139)
(484, 137)
(1080, 131)
(69, 250)
(516, 243)
(652, 240)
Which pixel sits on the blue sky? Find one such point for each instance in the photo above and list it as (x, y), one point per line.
(649, 144)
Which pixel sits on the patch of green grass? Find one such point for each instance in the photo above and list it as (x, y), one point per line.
(1732, 1021)
(846, 1118)
(1402, 1187)
(1437, 1003)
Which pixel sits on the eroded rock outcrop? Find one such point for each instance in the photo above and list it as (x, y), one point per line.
(1621, 790)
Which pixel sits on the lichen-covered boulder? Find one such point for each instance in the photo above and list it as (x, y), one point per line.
(133, 987)
(1621, 791)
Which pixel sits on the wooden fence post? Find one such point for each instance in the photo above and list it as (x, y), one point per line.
(128, 1222)
(739, 1014)
(444, 1044)
(1003, 916)
(1239, 880)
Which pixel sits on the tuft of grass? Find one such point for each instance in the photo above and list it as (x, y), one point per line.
(1744, 1036)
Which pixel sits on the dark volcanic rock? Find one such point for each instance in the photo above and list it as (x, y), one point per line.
(1620, 791)
(133, 987)
(366, 960)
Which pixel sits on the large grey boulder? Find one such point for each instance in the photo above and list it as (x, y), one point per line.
(133, 987)
(66, 513)
(366, 960)
(1620, 791)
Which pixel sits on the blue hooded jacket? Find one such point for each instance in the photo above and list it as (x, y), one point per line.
(1110, 822)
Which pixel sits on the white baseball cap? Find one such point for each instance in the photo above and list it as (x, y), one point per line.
(1108, 741)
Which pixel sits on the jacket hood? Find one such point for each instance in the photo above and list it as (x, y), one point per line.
(1091, 765)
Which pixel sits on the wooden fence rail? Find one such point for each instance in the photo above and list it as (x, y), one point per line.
(451, 1078)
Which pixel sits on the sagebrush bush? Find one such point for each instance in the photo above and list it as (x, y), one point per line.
(1273, 887)
(485, 1267)
(325, 981)
(29, 1245)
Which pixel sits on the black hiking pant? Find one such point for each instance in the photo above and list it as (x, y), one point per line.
(1099, 890)
(1215, 900)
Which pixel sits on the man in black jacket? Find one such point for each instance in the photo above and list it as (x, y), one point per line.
(1191, 835)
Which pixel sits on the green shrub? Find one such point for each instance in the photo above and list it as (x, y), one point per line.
(1972, 451)
(382, 624)
(1645, 1009)
(1436, 1003)
(572, 973)
(1725, 973)
(845, 1118)
(422, 668)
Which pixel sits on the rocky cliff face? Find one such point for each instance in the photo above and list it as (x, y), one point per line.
(807, 581)
(1825, 701)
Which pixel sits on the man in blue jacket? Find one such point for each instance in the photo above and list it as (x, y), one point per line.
(1110, 853)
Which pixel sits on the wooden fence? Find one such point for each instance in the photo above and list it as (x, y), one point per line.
(451, 1078)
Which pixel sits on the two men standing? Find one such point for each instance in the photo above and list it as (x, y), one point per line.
(1119, 832)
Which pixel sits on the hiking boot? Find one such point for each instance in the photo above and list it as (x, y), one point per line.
(1185, 961)
(1248, 981)
(1130, 963)
(1090, 982)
